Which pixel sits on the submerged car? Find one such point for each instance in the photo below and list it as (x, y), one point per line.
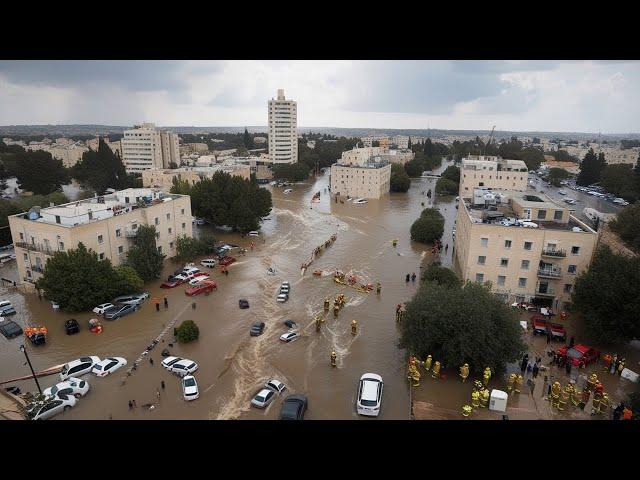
(71, 386)
(71, 326)
(256, 329)
(174, 282)
(243, 303)
(6, 308)
(263, 398)
(108, 366)
(78, 367)
(294, 407)
(276, 385)
(52, 407)
(289, 336)
(369, 395)
(290, 323)
(283, 297)
(180, 366)
(209, 262)
(226, 261)
(190, 388)
(120, 311)
(135, 299)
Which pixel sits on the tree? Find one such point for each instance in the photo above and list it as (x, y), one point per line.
(189, 248)
(101, 169)
(556, 175)
(444, 186)
(400, 181)
(461, 325)
(620, 180)
(627, 225)
(608, 296)
(294, 172)
(590, 169)
(77, 280)
(143, 256)
(247, 140)
(429, 227)
(435, 272)
(39, 172)
(128, 279)
(187, 331)
(409, 144)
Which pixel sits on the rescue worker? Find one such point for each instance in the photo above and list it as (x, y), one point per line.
(595, 406)
(614, 364)
(464, 372)
(586, 394)
(157, 305)
(606, 360)
(475, 399)
(378, 288)
(466, 410)
(413, 372)
(407, 278)
(591, 381)
(326, 304)
(435, 373)
(621, 367)
(518, 384)
(428, 362)
(555, 394)
(334, 359)
(318, 323)
(604, 403)
(575, 395)
(354, 327)
(486, 376)
(484, 398)
(626, 414)
(511, 382)
(477, 385)
(564, 397)
(395, 242)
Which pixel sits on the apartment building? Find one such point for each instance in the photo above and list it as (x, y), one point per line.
(361, 174)
(283, 130)
(163, 179)
(401, 141)
(105, 224)
(145, 147)
(492, 172)
(69, 153)
(535, 260)
(197, 147)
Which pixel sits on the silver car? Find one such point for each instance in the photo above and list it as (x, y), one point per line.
(263, 398)
(135, 299)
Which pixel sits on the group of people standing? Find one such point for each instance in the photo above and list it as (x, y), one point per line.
(528, 366)
(411, 277)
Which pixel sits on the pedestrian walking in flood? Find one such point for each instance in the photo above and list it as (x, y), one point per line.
(193, 306)
(130, 404)
(407, 278)
(162, 384)
(523, 364)
(158, 394)
(413, 277)
(166, 302)
(548, 337)
(157, 306)
(135, 405)
(151, 360)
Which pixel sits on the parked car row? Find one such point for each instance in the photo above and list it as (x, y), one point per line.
(121, 306)
(283, 292)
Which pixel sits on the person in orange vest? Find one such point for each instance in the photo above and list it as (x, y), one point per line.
(157, 301)
(626, 414)
(606, 360)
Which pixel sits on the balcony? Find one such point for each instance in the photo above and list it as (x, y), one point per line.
(36, 247)
(549, 272)
(550, 252)
(545, 292)
(130, 233)
(37, 268)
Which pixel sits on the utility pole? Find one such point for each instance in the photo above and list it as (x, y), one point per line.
(23, 350)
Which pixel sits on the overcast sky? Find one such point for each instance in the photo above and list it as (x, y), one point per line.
(574, 96)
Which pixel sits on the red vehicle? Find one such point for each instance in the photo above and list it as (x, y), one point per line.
(579, 355)
(226, 261)
(541, 326)
(207, 286)
(172, 283)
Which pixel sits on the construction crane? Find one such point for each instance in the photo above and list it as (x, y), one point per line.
(490, 137)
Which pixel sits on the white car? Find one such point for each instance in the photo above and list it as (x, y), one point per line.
(283, 297)
(276, 385)
(208, 262)
(190, 388)
(108, 366)
(72, 386)
(52, 407)
(369, 395)
(100, 309)
(289, 336)
(185, 276)
(263, 398)
(198, 278)
(287, 191)
(180, 366)
(254, 233)
(78, 367)
(197, 221)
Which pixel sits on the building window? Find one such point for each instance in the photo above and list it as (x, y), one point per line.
(528, 245)
(484, 242)
(182, 211)
(100, 239)
(567, 288)
(522, 282)
(120, 249)
(21, 236)
(525, 265)
(157, 235)
(61, 246)
(171, 245)
(481, 260)
(169, 231)
(572, 269)
(575, 250)
(542, 214)
(101, 256)
(184, 225)
(504, 262)
(118, 232)
(479, 277)
(507, 244)
(557, 215)
(157, 222)
(168, 216)
(501, 280)
(58, 218)
(26, 257)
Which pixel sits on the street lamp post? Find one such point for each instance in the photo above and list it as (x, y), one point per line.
(23, 350)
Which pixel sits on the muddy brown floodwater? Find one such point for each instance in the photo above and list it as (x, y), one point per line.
(233, 365)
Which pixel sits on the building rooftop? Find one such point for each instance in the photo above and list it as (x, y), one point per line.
(486, 162)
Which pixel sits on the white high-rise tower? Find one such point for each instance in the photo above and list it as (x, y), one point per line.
(283, 130)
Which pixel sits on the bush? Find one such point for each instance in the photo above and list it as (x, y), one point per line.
(429, 227)
(444, 186)
(627, 225)
(188, 331)
(441, 275)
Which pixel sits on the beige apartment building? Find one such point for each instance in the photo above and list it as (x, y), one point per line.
(69, 153)
(360, 174)
(145, 147)
(492, 172)
(105, 224)
(537, 262)
(163, 179)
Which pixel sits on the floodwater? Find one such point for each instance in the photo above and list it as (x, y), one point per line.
(233, 365)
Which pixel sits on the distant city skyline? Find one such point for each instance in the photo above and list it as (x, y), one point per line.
(550, 96)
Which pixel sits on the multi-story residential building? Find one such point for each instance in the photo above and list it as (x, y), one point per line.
(361, 174)
(163, 179)
(105, 224)
(197, 147)
(399, 156)
(492, 172)
(536, 259)
(69, 153)
(145, 147)
(401, 141)
(283, 130)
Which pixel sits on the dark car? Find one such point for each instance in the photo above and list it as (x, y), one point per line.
(119, 311)
(38, 338)
(243, 303)
(256, 329)
(71, 326)
(10, 329)
(294, 407)
(290, 323)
